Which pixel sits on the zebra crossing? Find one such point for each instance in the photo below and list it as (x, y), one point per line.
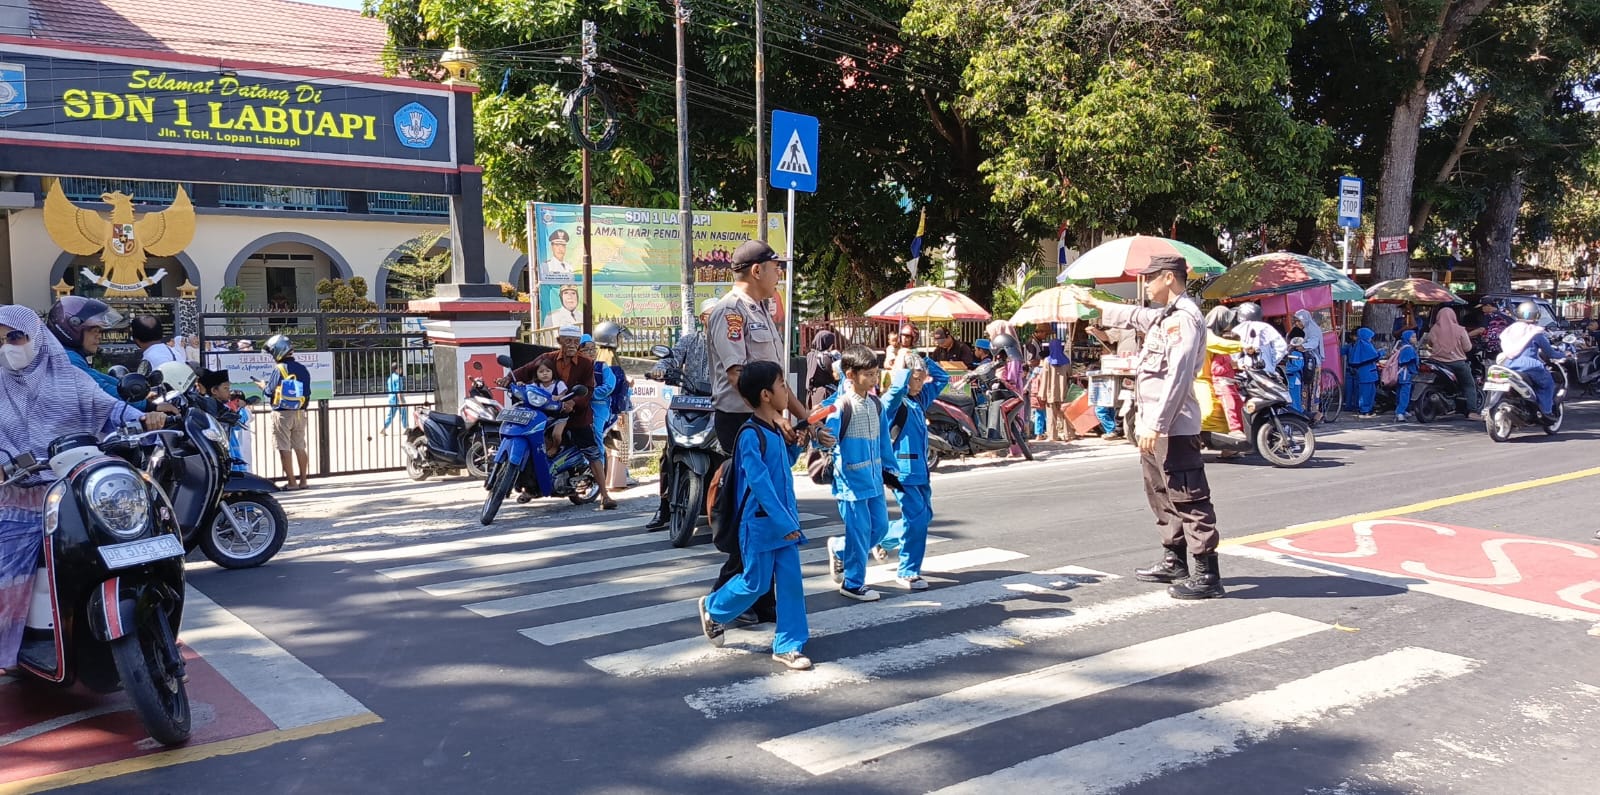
(992, 610)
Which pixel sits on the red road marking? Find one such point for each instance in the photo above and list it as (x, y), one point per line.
(1548, 571)
(220, 712)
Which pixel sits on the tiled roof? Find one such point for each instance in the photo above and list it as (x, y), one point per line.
(266, 31)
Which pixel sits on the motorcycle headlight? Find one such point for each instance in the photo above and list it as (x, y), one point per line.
(52, 506)
(213, 430)
(117, 498)
(702, 437)
(1252, 405)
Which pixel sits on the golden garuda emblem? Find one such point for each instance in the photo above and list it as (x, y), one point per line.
(122, 242)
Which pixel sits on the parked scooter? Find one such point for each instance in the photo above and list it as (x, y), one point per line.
(1509, 402)
(229, 514)
(1272, 427)
(1437, 391)
(521, 463)
(981, 414)
(108, 594)
(443, 443)
(692, 455)
(1582, 365)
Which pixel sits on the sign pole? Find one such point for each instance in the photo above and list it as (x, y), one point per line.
(1345, 265)
(788, 307)
(685, 212)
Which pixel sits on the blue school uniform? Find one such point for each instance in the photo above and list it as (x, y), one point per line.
(605, 382)
(859, 461)
(1409, 365)
(909, 533)
(1364, 358)
(768, 513)
(1294, 367)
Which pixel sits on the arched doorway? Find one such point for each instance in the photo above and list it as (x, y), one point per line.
(178, 269)
(281, 271)
(414, 268)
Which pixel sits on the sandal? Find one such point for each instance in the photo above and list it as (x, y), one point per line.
(608, 505)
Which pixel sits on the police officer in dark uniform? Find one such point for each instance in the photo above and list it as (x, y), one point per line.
(1168, 429)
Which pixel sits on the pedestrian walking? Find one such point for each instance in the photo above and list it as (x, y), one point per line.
(905, 404)
(1364, 358)
(861, 464)
(1168, 429)
(1406, 358)
(1052, 388)
(288, 390)
(769, 522)
(395, 385)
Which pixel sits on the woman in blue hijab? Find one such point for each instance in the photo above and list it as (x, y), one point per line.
(1364, 358)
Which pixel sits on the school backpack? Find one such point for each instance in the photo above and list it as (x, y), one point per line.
(1389, 371)
(724, 500)
(819, 463)
(290, 394)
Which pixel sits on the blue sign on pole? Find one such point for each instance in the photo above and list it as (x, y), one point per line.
(1350, 202)
(794, 152)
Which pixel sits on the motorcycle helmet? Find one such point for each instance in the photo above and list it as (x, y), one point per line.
(71, 315)
(278, 346)
(1221, 319)
(1006, 344)
(609, 335)
(1248, 312)
(177, 376)
(1527, 310)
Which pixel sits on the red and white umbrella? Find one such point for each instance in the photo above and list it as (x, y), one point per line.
(927, 305)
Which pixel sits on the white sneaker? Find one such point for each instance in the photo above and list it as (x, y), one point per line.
(862, 594)
(911, 583)
(835, 565)
(794, 660)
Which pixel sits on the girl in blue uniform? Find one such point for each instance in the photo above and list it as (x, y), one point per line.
(1364, 358)
(910, 394)
(769, 522)
(1407, 374)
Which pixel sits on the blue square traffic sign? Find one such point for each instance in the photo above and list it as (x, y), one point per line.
(794, 152)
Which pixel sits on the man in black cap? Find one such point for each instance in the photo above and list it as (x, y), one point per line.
(742, 330)
(1169, 428)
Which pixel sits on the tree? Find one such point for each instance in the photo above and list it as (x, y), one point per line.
(420, 265)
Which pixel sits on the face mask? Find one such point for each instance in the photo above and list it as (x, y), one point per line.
(18, 356)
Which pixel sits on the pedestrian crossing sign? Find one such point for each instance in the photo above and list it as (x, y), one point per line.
(794, 152)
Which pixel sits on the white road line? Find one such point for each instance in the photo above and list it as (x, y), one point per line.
(504, 539)
(1008, 634)
(1460, 593)
(516, 558)
(627, 585)
(683, 653)
(47, 726)
(876, 734)
(458, 587)
(680, 609)
(286, 690)
(1142, 753)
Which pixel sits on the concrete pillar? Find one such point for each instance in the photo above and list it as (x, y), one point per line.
(469, 325)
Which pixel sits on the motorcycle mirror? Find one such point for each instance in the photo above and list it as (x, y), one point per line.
(504, 360)
(660, 351)
(134, 387)
(154, 378)
(578, 391)
(117, 371)
(144, 368)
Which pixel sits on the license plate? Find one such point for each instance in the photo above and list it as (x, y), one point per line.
(517, 417)
(1497, 386)
(691, 402)
(133, 553)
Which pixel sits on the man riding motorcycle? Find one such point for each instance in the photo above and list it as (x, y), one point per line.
(1263, 344)
(691, 361)
(77, 323)
(1524, 346)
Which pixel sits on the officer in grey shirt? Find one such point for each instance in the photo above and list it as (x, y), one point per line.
(1169, 428)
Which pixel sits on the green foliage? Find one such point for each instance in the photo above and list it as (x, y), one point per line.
(344, 295)
(232, 298)
(420, 265)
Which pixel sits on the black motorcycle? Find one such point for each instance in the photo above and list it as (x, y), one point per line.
(444, 443)
(692, 455)
(108, 594)
(1438, 391)
(979, 413)
(1272, 426)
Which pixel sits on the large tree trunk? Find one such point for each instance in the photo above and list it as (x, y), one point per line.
(1492, 235)
(1394, 196)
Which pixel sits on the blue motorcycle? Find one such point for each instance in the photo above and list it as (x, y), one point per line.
(521, 462)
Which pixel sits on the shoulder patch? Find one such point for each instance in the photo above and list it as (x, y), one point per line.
(735, 326)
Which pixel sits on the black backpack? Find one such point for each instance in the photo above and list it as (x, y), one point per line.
(725, 496)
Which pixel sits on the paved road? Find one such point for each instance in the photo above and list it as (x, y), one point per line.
(1415, 612)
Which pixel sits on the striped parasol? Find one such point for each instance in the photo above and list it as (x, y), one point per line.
(1411, 291)
(1059, 305)
(1278, 273)
(927, 305)
(1121, 260)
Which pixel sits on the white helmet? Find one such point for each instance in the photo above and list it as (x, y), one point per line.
(610, 335)
(177, 376)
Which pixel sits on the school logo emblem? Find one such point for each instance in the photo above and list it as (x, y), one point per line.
(13, 88)
(416, 126)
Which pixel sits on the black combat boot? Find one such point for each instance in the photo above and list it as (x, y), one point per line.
(1173, 566)
(1205, 583)
(662, 518)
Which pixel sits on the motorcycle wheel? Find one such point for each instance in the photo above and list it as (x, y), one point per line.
(1561, 415)
(935, 458)
(150, 665)
(688, 493)
(1332, 396)
(265, 526)
(1497, 421)
(585, 490)
(500, 482)
(1291, 447)
(479, 457)
(1019, 437)
(414, 465)
(1426, 410)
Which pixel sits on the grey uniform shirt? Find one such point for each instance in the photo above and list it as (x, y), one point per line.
(1174, 351)
(740, 331)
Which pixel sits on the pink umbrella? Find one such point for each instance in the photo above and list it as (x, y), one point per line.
(927, 305)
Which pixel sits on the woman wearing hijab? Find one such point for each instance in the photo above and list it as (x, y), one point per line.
(1052, 388)
(1364, 359)
(821, 382)
(1523, 347)
(42, 397)
(1448, 345)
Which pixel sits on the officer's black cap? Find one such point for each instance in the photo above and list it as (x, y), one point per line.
(559, 236)
(753, 252)
(1166, 262)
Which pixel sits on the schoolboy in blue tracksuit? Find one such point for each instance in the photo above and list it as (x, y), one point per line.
(862, 463)
(769, 522)
(910, 394)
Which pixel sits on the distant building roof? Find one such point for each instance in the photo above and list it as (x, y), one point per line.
(279, 32)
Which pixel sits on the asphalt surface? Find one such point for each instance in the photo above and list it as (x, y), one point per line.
(1319, 673)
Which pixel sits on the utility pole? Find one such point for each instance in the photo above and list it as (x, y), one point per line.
(590, 51)
(685, 212)
(761, 121)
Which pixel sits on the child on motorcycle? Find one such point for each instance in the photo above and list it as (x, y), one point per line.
(544, 376)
